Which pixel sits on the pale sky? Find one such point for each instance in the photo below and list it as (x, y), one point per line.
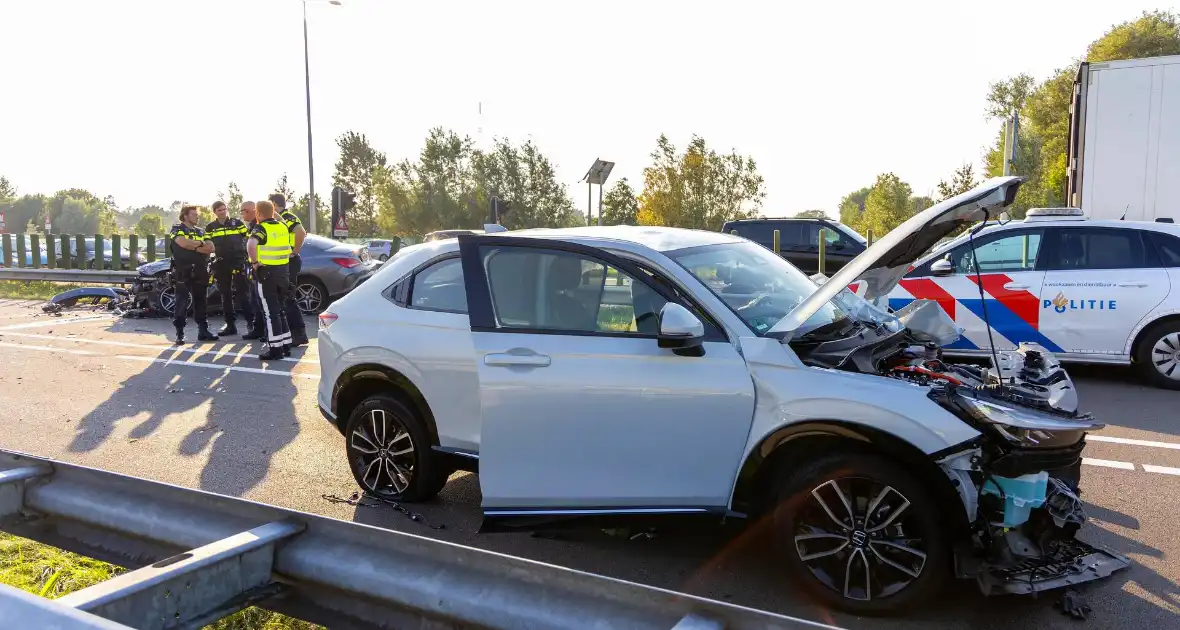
(158, 100)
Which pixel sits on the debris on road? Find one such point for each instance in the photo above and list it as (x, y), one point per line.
(367, 500)
(1073, 604)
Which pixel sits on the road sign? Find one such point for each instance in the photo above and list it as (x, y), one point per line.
(342, 202)
(340, 230)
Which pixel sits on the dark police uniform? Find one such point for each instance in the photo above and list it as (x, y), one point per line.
(190, 279)
(294, 315)
(229, 270)
(273, 284)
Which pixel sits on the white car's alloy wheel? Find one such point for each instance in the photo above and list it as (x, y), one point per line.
(854, 536)
(385, 460)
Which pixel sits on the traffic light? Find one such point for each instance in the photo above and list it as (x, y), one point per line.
(342, 202)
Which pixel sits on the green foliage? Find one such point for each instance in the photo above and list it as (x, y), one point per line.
(7, 190)
(150, 225)
(233, 198)
(359, 168)
(698, 188)
(322, 213)
(1009, 94)
(962, 180)
(852, 206)
(451, 182)
(888, 204)
(284, 189)
(812, 214)
(620, 205)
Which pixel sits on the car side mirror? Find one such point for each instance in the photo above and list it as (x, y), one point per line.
(679, 328)
(942, 268)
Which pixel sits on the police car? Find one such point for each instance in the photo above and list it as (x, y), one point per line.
(1091, 291)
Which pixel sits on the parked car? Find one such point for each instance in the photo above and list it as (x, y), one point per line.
(1091, 291)
(799, 240)
(381, 249)
(647, 374)
(107, 253)
(330, 269)
(28, 259)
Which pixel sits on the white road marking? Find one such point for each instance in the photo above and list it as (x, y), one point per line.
(128, 357)
(44, 348)
(1163, 470)
(1107, 463)
(1132, 442)
(222, 351)
(214, 366)
(57, 322)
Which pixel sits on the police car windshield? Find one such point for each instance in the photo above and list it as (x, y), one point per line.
(759, 286)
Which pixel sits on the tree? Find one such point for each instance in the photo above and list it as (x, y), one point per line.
(698, 188)
(852, 207)
(7, 190)
(150, 225)
(284, 189)
(323, 221)
(357, 170)
(233, 198)
(436, 191)
(523, 177)
(887, 205)
(961, 181)
(620, 206)
(813, 214)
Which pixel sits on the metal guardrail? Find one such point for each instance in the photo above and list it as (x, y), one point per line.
(214, 555)
(69, 275)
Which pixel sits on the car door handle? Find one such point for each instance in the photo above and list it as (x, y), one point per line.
(1133, 284)
(508, 359)
(1012, 286)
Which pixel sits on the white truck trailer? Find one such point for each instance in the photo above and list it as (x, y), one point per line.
(1124, 142)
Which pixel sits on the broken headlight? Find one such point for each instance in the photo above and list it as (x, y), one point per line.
(1024, 427)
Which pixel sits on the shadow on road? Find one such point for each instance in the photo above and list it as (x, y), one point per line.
(249, 418)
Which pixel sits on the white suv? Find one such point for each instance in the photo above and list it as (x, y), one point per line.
(653, 374)
(1091, 291)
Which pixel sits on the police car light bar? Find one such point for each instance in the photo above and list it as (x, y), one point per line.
(1054, 213)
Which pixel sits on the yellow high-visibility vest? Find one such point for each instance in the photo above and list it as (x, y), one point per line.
(277, 249)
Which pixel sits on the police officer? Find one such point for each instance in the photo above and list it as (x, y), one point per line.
(269, 249)
(298, 234)
(229, 267)
(190, 273)
(258, 325)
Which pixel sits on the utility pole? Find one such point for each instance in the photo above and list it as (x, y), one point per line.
(1011, 138)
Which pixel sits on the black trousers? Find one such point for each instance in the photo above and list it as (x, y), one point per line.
(273, 286)
(235, 290)
(294, 315)
(191, 283)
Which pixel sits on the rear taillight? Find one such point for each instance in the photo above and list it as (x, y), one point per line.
(326, 320)
(347, 263)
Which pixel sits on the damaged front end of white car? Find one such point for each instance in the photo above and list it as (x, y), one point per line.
(1018, 481)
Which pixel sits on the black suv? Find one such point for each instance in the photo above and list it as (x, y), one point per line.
(799, 240)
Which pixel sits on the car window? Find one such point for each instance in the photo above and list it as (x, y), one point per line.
(1168, 247)
(834, 237)
(439, 287)
(762, 232)
(1013, 253)
(1097, 248)
(552, 290)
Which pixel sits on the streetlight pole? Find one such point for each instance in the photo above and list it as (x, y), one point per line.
(311, 209)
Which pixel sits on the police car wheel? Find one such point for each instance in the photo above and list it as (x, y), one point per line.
(1158, 355)
(860, 533)
(389, 452)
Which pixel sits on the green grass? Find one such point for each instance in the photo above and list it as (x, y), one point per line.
(51, 572)
(35, 289)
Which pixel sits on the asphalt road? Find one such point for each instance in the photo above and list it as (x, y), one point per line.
(114, 394)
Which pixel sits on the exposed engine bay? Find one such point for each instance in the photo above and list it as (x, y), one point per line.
(1019, 480)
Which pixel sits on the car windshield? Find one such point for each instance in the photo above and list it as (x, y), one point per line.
(759, 286)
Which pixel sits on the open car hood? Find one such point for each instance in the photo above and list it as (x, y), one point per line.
(882, 266)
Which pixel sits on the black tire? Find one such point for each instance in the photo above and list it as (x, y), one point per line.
(315, 283)
(383, 258)
(420, 470)
(1154, 365)
(860, 478)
